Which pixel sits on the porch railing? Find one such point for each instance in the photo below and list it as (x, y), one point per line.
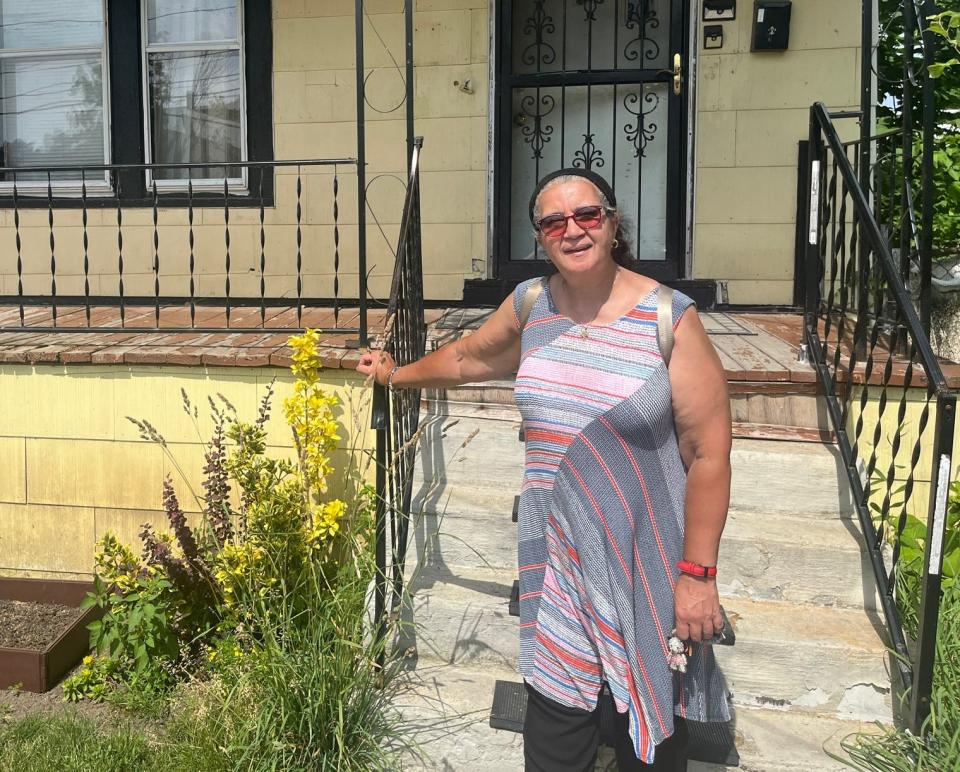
(165, 248)
(890, 404)
(396, 413)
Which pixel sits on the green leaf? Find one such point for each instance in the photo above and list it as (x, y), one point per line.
(937, 69)
(951, 564)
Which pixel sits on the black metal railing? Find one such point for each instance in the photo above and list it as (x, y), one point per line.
(396, 413)
(891, 406)
(163, 247)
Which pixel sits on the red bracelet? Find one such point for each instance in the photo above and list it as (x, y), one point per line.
(690, 568)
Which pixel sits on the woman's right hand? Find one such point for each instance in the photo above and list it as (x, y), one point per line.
(376, 364)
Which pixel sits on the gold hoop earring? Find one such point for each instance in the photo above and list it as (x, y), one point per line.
(616, 243)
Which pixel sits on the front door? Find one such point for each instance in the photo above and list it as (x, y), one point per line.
(597, 84)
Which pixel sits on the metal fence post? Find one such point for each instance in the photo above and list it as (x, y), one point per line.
(929, 8)
(812, 221)
(926, 650)
(361, 175)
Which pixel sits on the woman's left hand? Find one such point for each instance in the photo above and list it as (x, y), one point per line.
(696, 608)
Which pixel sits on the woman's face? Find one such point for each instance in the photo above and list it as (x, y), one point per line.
(576, 249)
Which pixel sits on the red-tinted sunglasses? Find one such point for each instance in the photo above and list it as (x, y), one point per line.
(555, 225)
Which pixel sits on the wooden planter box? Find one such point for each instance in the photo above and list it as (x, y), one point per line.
(38, 670)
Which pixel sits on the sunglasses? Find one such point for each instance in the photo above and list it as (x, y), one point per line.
(555, 225)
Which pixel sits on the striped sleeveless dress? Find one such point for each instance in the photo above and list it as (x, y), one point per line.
(601, 521)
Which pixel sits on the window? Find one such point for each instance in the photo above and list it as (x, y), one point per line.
(53, 85)
(193, 71)
(88, 82)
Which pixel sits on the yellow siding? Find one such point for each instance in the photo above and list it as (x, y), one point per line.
(73, 467)
(888, 425)
(752, 110)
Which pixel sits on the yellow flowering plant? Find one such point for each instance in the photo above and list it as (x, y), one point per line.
(267, 523)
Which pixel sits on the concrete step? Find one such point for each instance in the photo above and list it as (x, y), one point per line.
(757, 404)
(472, 466)
(446, 713)
(805, 479)
(808, 658)
(763, 557)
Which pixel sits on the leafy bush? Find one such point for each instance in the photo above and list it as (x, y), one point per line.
(912, 542)
(947, 26)
(267, 525)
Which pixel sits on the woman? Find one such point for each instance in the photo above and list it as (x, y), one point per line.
(625, 491)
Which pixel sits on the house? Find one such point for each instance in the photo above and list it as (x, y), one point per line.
(698, 131)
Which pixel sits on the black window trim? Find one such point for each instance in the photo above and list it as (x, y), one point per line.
(127, 135)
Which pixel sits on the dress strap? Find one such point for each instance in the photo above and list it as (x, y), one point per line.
(665, 322)
(529, 298)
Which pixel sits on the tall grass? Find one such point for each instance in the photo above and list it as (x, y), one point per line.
(66, 743)
(939, 749)
(311, 697)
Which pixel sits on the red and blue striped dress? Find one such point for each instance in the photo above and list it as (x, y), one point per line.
(601, 521)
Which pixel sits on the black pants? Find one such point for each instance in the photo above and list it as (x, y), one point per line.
(561, 739)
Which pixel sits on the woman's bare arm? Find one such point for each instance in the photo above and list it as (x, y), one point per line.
(701, 408)
(493, 351)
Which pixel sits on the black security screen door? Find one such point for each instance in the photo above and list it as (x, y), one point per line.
(598, 84)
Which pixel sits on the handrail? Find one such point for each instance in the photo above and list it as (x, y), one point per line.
(395, 415)
(865, 334)
(872, 231)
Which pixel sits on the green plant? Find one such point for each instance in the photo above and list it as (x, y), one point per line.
(137, 628)
(92, 681)
(891, 750)
(279, 669)
(42, 743)
(886, 749)
(947, 26)
(192, 587)
(890, 106)
(910, 568)
(308, 694)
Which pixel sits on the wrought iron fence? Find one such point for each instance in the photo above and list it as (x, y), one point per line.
(890, 403)
(154, 247)
(396, 413)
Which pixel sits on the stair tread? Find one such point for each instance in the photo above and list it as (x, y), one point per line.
(447, 711)
(815, 659)
(759, 620)
(484, 455)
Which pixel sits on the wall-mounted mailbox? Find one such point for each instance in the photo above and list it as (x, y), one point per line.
(719, 10)
(771, 25)
(713, 36)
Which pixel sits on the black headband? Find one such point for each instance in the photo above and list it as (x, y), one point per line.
(601, 184)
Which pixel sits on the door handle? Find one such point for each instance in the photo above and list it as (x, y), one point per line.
(677, 73)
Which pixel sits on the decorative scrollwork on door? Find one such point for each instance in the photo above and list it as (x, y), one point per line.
(589, 155)
(535, 134)
(590, 8)
(639, 134)
(539, 25)
(641, 16)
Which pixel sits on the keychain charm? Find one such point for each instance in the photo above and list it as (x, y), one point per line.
(677, 659)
